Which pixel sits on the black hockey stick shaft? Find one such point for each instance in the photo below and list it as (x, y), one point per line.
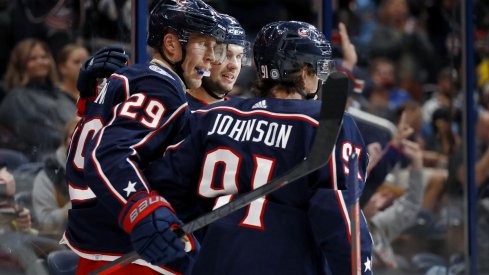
(334, 96)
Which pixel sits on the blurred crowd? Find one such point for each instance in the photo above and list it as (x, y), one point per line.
(404, 65)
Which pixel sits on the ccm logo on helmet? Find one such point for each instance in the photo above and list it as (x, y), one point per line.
(235, 31)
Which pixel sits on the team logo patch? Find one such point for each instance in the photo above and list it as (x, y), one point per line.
(304, 32)
(274, 74)
(160, 71)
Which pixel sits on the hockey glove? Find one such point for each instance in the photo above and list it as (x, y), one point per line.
(105, 62)
(149, 220)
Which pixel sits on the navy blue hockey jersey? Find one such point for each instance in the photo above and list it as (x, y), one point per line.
(196, 103)
(138, 113)
(239, 145)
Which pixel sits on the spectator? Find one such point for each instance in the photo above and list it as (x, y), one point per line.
(13, 218)
(70, 59)
(34, 111)
(456, 168)
(443, 141)
(50, 198)
(400, 38)
(15, 227)
(389, 215)
(442, 96)
(383, 157)
(439, 147)
(384, 94)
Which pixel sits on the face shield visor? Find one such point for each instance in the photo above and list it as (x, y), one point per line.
(244, 58)
(247, 54)
(219, 49)
(324, 67)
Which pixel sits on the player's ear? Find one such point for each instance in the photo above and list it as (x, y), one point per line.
(172, 47)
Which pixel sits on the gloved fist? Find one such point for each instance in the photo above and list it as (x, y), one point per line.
(105, 62)
(149, 219)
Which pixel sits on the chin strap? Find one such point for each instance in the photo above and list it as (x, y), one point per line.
(215, 95)
(306, 95)
(214, 91)
(314, 95)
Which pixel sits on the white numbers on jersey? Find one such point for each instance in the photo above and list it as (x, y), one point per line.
(346, 151)
(153, 110)
(231, 163)
(89, 129)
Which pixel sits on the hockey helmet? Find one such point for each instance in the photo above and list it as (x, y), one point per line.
(184, 17)
(283, 47)
(236, 35)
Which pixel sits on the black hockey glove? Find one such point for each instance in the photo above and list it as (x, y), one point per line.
(149, 220)
(105, 62)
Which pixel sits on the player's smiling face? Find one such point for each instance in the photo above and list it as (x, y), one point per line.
(224, 75)
(198, 59)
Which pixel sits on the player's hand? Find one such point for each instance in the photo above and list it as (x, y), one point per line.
(149, 219)
(104, 63)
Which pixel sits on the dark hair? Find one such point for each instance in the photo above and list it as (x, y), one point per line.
(291, 85)
(263, 88)
(440, 113)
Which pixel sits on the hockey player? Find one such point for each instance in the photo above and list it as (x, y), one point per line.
(238, 145)
(223, 75)
(214, 88)
(137, 114)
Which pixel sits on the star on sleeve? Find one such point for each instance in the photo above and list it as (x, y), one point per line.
(130, 188)
(368, 265)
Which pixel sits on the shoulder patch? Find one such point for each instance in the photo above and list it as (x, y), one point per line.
(160, 71)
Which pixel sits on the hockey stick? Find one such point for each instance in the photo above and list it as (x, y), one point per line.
(334, 95)
(354, 213)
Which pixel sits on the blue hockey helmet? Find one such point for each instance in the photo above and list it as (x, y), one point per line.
(184, 17)
(283, 47)
(236, 35)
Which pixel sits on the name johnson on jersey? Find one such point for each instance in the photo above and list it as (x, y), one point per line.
(256, 130)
